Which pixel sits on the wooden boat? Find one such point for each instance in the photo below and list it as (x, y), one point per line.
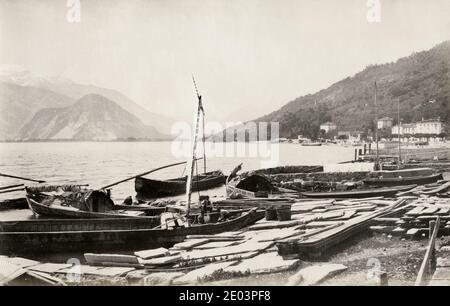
(17, 203)
(106, 234)
(251, 186)
(360, 193)
(418, 176)
(150, 188)
(71, 201)
(311, 144)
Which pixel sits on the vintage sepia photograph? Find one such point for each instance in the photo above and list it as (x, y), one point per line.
(197, 144)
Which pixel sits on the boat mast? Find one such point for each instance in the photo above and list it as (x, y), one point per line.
(203, 126)
(377, 162)
(193, 159)
(398, 134)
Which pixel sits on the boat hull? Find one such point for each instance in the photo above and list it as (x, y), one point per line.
(419, 180)
(44, 210)
(365, 193)
(18, 203)
(62, 236)
(149, 188)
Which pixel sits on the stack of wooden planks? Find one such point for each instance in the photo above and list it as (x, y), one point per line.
(412, 220)
(333, 224)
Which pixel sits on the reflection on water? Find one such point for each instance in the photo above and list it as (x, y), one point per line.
(101, 163)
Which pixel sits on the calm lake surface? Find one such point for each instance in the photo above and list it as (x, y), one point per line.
(101, 163)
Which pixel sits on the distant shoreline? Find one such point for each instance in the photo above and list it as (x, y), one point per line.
(84, 140)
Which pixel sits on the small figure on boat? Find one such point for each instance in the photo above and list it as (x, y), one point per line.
(205, 206)
(128, 201)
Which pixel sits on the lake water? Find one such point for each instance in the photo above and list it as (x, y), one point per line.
(101, 163)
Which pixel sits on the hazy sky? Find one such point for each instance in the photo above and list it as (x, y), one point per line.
(249, 56)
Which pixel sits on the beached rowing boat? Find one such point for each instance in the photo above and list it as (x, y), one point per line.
(16, 203)
(417, 176)
(419, 180)
(359, 193)
(248, 186)
(70, 201)
(151, 188)
(311, 144)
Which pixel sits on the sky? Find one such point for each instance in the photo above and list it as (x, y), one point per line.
(249, 57)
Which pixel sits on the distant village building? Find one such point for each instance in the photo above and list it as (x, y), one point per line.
(432, 127)
(424, 127)
(328, 127)
(301, 139)
(385, 122)
(350, 136)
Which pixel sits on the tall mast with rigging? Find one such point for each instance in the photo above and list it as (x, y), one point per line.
(193, 152)
(203, 125)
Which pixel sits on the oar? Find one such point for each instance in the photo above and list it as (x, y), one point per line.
(145, 173)
(21, 178)
(12, 190)
(11, 186)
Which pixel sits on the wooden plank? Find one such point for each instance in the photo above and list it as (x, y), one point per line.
(313, 275)
(49, 267)
(443, 212)
(413, 232)
(111, 271)
(441, 188)
(100, 259)
(348, 214)
(153, 253)
(246, 247)
(80, 269)
(274, 234)
(274, 225)
(386, 220)
(9, 272)
(429, 211)
(264, 263)
(316, 224)
(162, 260)
(415, 211)
(189, 244)
(215, 244)
(315, 246)
(19, 261)
(216, 238)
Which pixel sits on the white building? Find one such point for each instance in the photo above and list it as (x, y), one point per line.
(385, 122)
(433, 127)
(350, 136)
(424, 127)
(328, 127)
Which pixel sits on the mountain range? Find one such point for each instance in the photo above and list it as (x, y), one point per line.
(419, 83)
(93, 117)
(24, 94)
